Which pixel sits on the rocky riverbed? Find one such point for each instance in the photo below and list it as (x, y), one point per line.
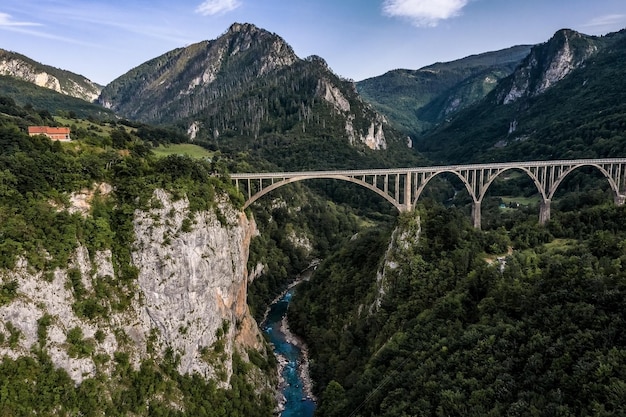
(295, 383)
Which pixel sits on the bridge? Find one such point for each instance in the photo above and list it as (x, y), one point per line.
(402, 187)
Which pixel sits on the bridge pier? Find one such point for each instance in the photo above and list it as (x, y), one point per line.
(402, 187)
(476, 214)
(544, 211)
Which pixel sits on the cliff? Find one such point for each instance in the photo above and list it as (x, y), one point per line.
(61, 81)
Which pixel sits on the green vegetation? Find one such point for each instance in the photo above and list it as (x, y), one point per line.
(188, 149)
(33, 385)
(320, 226)
(37, 177)
(581, 116)
(29, 95)
(455, 336)
(275, 114)
(417, 100)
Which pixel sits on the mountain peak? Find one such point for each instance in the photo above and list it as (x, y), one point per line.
(242, 27)
(548, 63)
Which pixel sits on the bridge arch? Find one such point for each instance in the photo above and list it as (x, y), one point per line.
(426, 181)
(525, 170)
(614, 186)
(402, 187)
(286, 181)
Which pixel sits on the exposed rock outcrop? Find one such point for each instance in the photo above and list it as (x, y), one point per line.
(190, 294)
(373, 137)
(547, 64)
(193, 282)
(64, 82)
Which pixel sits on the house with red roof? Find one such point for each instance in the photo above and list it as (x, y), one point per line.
(54, 133)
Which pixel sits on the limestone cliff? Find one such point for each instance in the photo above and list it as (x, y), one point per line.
(61, 81)
(547, 64)
(194, 283)
(374, 136)
(189, 297)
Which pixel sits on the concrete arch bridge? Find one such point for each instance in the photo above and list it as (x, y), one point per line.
(402, 187)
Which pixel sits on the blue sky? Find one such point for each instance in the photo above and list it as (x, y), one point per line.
(103, 39)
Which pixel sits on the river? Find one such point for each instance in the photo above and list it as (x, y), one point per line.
(292, 359)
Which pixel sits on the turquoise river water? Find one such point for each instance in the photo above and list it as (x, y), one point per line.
(298, 404)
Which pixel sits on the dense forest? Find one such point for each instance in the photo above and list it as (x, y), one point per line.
(461, 326)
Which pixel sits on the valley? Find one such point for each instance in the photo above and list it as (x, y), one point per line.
(466, 221)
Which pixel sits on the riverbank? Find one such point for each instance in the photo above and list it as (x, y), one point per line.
(294, 394)
(304, 363)
(302, 276)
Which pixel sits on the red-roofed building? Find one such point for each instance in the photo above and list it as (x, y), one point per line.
(54, 133)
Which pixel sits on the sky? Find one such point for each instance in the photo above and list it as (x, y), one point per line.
(103, 39)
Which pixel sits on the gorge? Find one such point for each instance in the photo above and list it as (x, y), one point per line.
(135, 269)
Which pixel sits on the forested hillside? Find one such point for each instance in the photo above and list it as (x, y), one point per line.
(64, 82)
(417, 100)
(42, 231)
(450, 330)
(580, 116)
(248, 91)
(25, 93)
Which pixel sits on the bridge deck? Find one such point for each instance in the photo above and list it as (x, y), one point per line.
(403, 186)
(438, 168)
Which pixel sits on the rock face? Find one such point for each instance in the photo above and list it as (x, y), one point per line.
(190, 295)
(194, 283)
(64, 82)
(547, 64)
(248, 83)
(374, 136)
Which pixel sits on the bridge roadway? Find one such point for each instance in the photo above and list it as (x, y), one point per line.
(402, 187)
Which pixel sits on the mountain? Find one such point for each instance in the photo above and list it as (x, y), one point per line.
(61, 81)
(416, 100)
(248, 89)
(25, 93)
(565, 100)
(417, 322)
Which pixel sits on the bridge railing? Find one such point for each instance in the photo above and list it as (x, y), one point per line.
(403, 186)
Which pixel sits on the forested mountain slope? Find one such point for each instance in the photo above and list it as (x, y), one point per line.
(446, 329)
(122, 280)
(59, 80)
(417, 100)
(564, 101)
(25, 93)
(248, 90)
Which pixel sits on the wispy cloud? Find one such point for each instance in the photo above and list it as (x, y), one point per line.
(606, 23)
(45, 35)
(6, 20)
(424, 12)
(213, 7)
(67, 17)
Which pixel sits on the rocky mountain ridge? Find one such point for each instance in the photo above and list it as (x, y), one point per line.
(61, 81)
(416, 100)
(248, 82)
(547, 64)
(563, 101)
